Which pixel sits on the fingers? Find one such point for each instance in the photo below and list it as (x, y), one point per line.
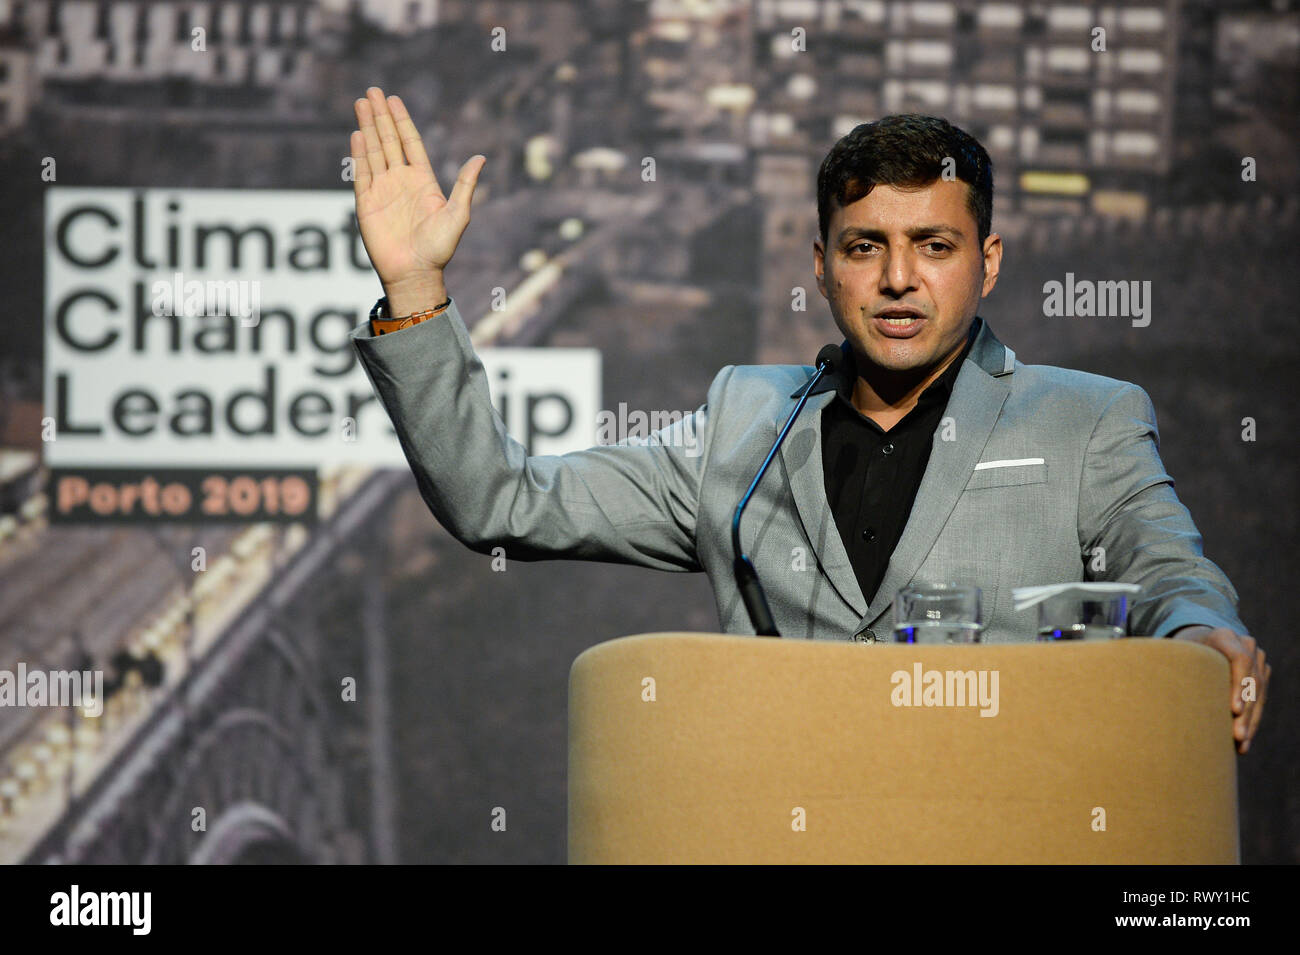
(412, 144)
(1240, 666)
(1262, 672)
(1245, 662)
(360, 166)
(388, 138)
(462, 193)
(374, 150)
(1248, 664)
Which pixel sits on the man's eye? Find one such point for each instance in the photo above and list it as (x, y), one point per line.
(937, 246)
(860, 245)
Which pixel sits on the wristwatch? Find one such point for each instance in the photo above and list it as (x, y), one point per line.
(382, 321)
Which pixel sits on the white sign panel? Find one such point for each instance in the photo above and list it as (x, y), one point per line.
(195, 327)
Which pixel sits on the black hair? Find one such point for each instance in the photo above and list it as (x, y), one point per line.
(905, 149)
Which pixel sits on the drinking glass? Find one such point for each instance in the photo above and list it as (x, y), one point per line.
(938, 613)
(1074, 617)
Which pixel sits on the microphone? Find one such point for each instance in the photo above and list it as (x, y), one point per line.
(829, 360)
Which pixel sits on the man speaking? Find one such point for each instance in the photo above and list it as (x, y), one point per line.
(929, 453)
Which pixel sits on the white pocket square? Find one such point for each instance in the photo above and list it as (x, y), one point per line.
(1008, 463)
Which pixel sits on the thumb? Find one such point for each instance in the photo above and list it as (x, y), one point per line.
(462, 194)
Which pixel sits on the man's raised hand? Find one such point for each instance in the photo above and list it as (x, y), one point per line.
(410, 229)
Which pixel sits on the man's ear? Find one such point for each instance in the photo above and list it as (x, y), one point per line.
(992, 263)
(819, 267)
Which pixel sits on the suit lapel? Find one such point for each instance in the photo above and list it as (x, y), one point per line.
(979, 392)
(807, 480)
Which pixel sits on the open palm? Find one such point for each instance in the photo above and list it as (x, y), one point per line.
(409, 227)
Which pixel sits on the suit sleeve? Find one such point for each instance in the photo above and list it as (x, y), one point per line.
(629, 503)
(1127, 506)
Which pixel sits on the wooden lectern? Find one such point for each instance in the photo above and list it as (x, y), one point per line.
(710, 748)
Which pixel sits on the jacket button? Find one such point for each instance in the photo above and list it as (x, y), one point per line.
(887, 449)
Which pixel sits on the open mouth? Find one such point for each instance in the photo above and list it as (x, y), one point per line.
(899, 324)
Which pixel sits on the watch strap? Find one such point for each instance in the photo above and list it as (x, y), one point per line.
(382, 322)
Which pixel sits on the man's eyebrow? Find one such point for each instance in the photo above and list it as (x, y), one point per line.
(859, 232)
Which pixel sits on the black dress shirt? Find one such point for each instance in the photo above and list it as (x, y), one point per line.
(872, 475)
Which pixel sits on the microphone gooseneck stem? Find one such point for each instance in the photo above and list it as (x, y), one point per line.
(751, 590)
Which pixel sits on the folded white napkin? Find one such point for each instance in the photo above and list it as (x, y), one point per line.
(1030, 596)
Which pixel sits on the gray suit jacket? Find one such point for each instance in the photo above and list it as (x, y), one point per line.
(1033, 469)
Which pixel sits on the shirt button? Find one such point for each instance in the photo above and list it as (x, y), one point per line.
(868, 534)
(887, 449)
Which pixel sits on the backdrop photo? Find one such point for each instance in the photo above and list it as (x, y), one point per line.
(255, 642)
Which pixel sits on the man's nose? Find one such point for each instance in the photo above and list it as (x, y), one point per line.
(898, 272)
